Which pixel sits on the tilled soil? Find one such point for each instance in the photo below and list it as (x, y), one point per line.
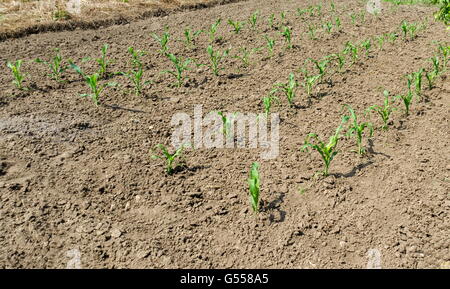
(77, 176)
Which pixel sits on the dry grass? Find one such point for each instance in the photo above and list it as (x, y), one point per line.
(16, 15)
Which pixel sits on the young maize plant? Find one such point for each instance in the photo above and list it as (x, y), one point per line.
(180, 67)
(338, 24)
(383, 111)
(271, 21)
(93, 82)
(283, 17)
(357, 129)
(431, 78)
(286, 32)
(408, 28)
(227, 122)
(328, 27)
(367, 44)
(103, 62)
(436, 65)
(312, 31)
(270, 45)
(327, 151)
(190, 36)
(253, 19)
(136, 74)
(417, 79)
(213, 30)
(380, 40)
(391, 37)
(301, 12)
(288, 89)
(136, 57)
(407, 98)
(170, 158)
(237, 25)
(56, 65)
(340, 59)
(445, 52)
(332, 7)
(321, 65)
(245, 55)
(308, 83)
(353, 49)
(254, 183)
(215, 57)
(163, 41)
(353, 17)
(267, 102)
(19, 77)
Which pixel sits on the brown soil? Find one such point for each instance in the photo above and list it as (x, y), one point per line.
(77, 176)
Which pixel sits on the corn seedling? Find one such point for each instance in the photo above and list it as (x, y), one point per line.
(136, 57)
(340, 58)
(321, 66)
(163, 41)
(253, 19)
(254, 183)
(288, 88)
(353, 17)
(383, 111)
(338, 24)
(103, 62)
(327, 151)
(332, 7)
(93, 82)
(417, 79)
(268, 101)
(170, 158)
(367, 44)
(408, 29)
(312, 31)
(136, 74)
(56, 65)
(380, 41)
(287, 34)
(308, 83)
(180, 67)
(270, 44)
(215, 58)
(190, 36)
(357, 129)
(391, 37)
(245, 55)
(213, 30)
(271, 21)
(301, 12)
(227, 122)
(328, 26)
(436, 65)
(431, 77)
(19, 77)
(407, 100)
(445, 52)
(237, 26)
(353, 49)
(283, 17)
